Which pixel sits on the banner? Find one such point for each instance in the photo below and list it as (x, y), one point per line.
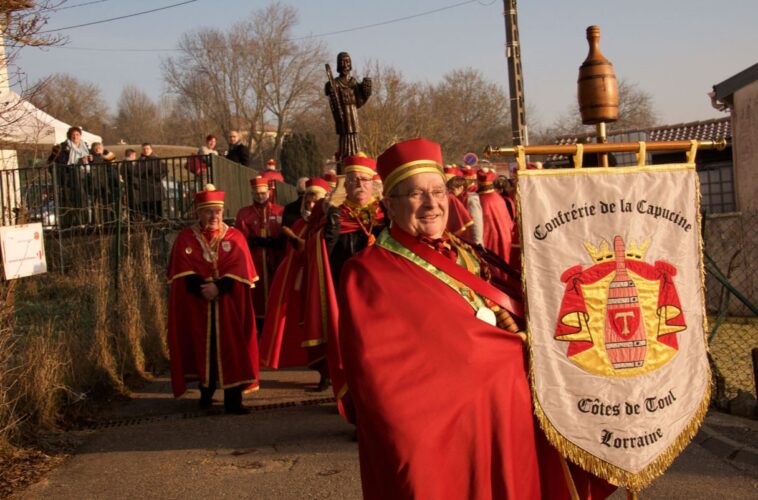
(616, 318)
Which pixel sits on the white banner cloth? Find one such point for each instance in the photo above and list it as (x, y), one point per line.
(616, 324)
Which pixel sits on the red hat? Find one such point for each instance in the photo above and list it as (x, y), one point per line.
(359, 163)
(486, 176)
(453, 171)
(469, 173)
(318, 186)
(408, 158)
(331, 178)
(259, 183)
(209, 197)
(271, 163)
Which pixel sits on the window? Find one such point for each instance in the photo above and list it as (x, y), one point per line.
(716, 187)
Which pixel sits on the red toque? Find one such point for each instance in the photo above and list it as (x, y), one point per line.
(209, 197)
(408, 158)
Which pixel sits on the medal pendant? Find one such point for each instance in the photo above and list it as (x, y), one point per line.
(487, 315)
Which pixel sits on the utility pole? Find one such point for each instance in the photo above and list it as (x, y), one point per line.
(515, 78)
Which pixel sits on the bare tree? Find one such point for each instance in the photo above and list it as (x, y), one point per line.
(138, 119)
(73, 101)
(251, 77)
(466, 112)
(292, 68)
(392, 114)
(636, 111)
(21, 25)
(220, 76)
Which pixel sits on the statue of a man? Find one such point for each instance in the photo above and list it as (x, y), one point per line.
(346, 95)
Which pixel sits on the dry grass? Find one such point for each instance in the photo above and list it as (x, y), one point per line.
(68, 341)
(730, 348)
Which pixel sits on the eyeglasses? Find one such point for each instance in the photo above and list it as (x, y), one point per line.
(420, 194)
(360, 180)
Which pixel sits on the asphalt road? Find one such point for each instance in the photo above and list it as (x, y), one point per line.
(295, 446)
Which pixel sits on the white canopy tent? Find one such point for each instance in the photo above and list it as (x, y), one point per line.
(23, 123)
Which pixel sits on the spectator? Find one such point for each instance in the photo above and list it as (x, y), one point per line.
(149, 186)
(237, 152)
(72, 157)
(130, 174)
(104, 180)
(210, 146)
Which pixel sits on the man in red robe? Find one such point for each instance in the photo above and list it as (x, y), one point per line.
(283, 331)
(497, 222)
(459, 220)
(348, 229)
(271, 174)
(441, 395)
(211, 323)
(260, 224)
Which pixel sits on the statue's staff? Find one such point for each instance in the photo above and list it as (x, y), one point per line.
(334, 98)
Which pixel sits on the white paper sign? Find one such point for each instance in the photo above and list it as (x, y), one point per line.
(23, 250)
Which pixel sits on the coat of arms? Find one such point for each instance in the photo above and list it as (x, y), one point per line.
(620, 317)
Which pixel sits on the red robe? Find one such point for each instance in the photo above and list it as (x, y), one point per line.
(272, 175)
(515, 256)
(189, 316)
(498, 224)
(442, 398)
(283, 333)
(459, 220)
(262, 221)
(321, 311)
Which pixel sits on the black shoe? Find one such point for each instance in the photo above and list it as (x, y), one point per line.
(323, 384)
(205, 404)
(237, 410)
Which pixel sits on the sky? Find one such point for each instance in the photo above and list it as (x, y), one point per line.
(676, 50)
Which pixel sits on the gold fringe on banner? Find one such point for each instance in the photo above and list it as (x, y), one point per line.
(617, 476)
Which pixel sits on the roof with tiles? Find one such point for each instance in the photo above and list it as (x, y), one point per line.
(706, 130)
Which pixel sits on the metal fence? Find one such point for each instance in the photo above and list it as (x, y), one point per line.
(731, 250)
(75, 202)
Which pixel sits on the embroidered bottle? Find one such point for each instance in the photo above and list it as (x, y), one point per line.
(625, 339)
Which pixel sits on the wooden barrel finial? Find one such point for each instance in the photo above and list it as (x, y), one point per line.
(598, 90)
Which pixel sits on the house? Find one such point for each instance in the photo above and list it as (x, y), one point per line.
(715, 168)
(739, 95)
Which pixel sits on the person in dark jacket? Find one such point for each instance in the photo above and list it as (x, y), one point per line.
(149, 171)
(237, 152)
(105, 181)
(292, 210)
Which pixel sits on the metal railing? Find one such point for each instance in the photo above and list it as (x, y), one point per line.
(64, 197)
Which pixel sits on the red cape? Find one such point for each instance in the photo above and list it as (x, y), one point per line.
(265, 221)
(283, 333)
(189, 315)
(498, 224)
(272, 175)
(442, 398)
(321, 316)
(458, 219)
